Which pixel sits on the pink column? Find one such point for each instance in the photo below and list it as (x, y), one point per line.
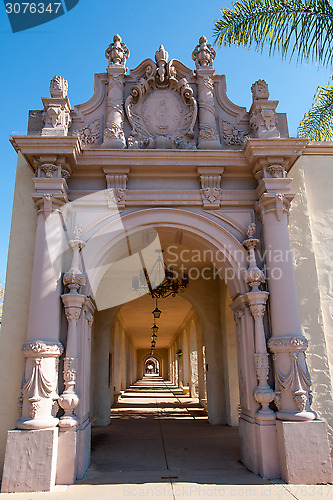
(42, 349)
(73, 303)
(288, 345)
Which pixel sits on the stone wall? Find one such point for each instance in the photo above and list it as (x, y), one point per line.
(311, 233)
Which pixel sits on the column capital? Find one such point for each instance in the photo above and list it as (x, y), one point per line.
(274, 202)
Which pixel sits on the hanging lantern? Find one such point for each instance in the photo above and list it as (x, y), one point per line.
(154, 328)
(156, 313)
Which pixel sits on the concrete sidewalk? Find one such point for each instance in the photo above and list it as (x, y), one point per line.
(160, 445)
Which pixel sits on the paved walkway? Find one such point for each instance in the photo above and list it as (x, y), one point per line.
(160, 445)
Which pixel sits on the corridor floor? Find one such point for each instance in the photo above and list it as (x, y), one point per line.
(160, 445)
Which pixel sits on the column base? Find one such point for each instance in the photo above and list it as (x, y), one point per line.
(304, 452)
(30, 461)
(37, 423)
(301, 416)
(209, 145)
(66, 464)
(268, 459)
(113, 144)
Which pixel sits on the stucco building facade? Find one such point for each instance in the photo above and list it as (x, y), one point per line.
(160, 160)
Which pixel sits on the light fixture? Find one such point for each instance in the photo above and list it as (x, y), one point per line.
(154, 336)
(161, 281)
(156, 312)
(154, 328)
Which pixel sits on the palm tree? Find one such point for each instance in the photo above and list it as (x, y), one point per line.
(298, 28)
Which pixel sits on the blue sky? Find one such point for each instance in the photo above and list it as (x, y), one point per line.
(73, 46)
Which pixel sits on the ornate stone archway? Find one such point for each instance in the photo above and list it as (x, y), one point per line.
(207, 177)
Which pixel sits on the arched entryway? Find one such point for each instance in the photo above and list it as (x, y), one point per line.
(151, 366)
(208, 341)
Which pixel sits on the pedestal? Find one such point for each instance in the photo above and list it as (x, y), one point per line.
(304, 452)
(66, 464)
(30, 461)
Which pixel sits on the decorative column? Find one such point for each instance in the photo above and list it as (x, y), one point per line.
(293, 395)
(203, 55)
(39, 400)
(116, 53)
(38, 403)
(56, 114)
(257, 304)
(73, 303)
(263, 118)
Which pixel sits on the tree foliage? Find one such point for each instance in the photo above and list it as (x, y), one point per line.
(298, 28)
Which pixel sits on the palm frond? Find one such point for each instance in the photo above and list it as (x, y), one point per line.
(317, 123)
(303, 29)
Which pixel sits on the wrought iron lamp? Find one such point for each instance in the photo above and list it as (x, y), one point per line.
(161, 281)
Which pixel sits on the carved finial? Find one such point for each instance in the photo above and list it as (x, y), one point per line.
(251, 230)
(161, 54)
(77, 232)
(161, 58)
(117, 52)
(260, 90)
(203, 54)
(58, 87)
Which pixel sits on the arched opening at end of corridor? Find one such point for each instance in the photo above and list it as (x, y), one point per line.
(151, 366)
(195, 360)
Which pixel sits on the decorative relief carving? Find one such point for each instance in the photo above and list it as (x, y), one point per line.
(55, 408)
(232, 135)
(297, 380)
(210, 190)
(56, 114)
(257, 310)
(89, 134)
(32, 348)
(264, 120)
(253, 275)
(70, 370)
(58, 87)
(238, 315)
(203, 54)
(74, 279)
(49, 169)
(280, 344)
(161, 108)
(276, 171)
(277, 202)
(36, 387)
(39, 385)
(208, 133)
(117, 52)
(260, 90)
(114, 131)
(116, 190)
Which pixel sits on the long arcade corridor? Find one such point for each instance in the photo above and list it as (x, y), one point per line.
(158, 435)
